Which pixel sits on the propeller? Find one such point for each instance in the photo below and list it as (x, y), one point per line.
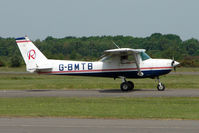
(173, 64)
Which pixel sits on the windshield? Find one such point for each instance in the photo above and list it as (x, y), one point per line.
(144, 56)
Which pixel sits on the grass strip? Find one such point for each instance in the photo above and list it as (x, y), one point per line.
(122, 108)
(34, 81)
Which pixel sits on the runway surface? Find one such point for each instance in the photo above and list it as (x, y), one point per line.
(100, 93)
(63, 125)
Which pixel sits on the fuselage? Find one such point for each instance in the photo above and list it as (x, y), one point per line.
(151, 68)
(121, 62)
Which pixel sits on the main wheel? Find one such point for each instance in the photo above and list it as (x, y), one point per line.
(131, 85)
(125, 86)
(161, 87)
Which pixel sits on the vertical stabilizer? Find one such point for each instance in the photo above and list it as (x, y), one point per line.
(32, 56)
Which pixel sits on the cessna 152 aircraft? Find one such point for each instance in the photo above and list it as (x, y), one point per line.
(115, 63)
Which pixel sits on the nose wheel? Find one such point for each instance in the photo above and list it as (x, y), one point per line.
(160, 86)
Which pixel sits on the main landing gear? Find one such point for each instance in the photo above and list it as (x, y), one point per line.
(126, 85)
(129, 86)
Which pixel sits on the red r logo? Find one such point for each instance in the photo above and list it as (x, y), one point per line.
(31, 54)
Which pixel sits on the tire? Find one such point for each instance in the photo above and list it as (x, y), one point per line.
(161, 87)
(125, 86)
(131, 85)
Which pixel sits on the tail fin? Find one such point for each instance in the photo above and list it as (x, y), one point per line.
(32, 56)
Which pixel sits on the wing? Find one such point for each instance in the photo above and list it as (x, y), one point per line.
(122, 52)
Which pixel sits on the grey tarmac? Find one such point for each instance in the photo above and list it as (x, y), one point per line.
(101, 93)
(66, 125)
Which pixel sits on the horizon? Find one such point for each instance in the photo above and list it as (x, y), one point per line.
(97, 36)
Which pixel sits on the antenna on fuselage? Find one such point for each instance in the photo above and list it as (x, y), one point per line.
(115, 44)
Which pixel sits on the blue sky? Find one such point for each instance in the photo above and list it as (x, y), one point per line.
(59, 18)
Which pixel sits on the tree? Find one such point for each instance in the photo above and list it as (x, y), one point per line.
(2, 63)
(157, 45)
(15, 60)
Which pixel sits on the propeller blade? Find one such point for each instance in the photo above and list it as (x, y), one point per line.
(172, 63)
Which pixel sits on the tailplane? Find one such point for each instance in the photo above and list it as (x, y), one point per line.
(34, 59)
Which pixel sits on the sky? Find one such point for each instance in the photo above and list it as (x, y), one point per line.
(60, 18)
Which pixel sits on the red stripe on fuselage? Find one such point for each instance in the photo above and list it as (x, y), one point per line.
(107, 70)
(23, 41)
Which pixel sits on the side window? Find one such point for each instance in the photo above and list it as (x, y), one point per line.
(127, 59)
(106, 58)
(131, 58)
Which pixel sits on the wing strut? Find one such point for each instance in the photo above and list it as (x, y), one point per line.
(137, 62)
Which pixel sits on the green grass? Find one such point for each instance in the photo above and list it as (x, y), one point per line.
(34, 81)
(13, 69)
(123, 108)
(187, 69)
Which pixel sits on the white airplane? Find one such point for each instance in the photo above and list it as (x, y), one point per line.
(115, 63)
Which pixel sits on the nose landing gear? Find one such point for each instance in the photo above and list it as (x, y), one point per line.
(160, 85)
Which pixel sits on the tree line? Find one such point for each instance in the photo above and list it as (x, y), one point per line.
(91, 48)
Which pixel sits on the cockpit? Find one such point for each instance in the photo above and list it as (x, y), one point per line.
(125, 59)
